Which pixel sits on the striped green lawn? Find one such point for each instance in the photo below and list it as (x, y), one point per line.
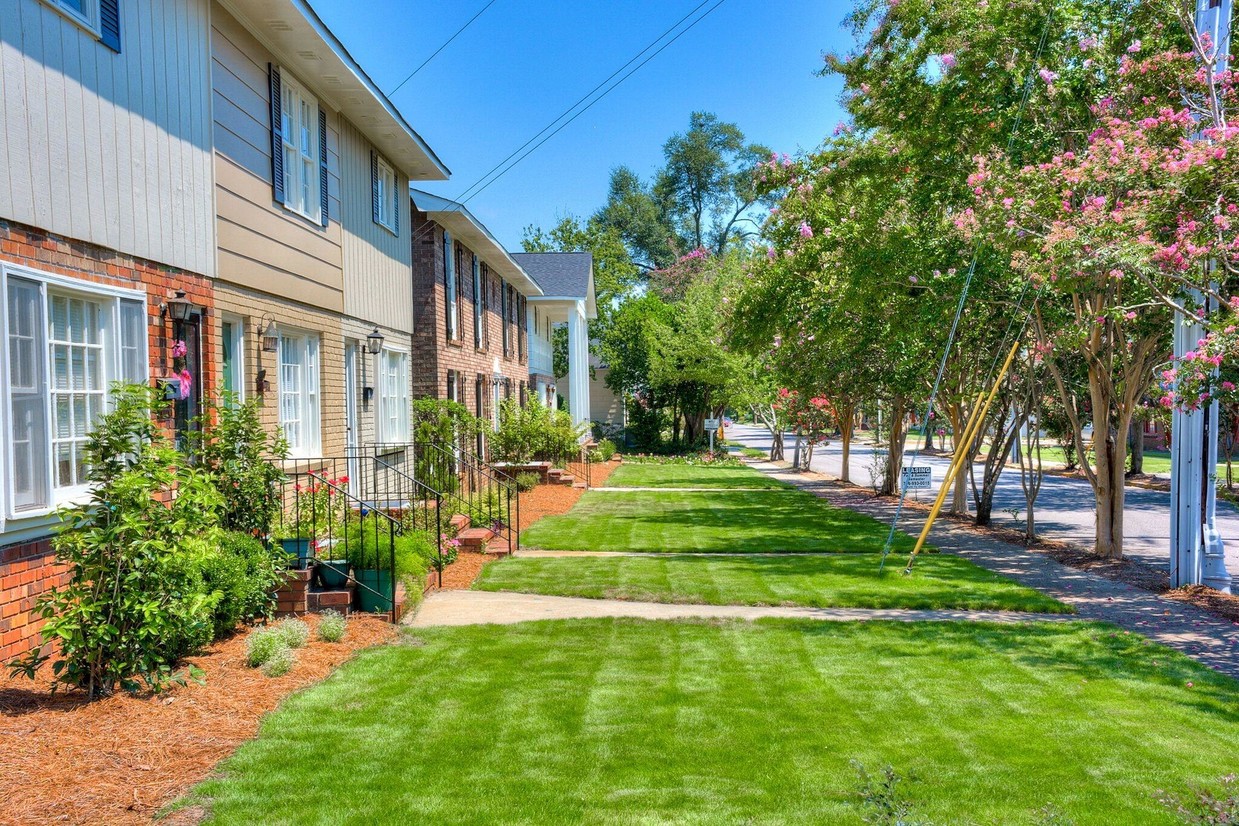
(726, 521)
(627, 722)
(630, 475)
(841, 580)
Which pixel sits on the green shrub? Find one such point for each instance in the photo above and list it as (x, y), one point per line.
(293, 632)
(606, 450)
(331, 626)
(527, 481)
(372, 540)
(232, 444)
(535, 433)
(281, 662)
(131, 607)
(243, 575)
(487, 507)
(262, 645)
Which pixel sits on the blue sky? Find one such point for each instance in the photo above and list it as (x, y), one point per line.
(524, 61)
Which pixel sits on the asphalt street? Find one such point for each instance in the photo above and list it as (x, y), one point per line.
(1064, 507)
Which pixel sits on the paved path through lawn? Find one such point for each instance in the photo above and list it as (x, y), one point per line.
(1207, 638)
(665, 489)
(507, 608)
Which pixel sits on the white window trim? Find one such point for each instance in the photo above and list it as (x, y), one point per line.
(238, 349)
(112, 362)
(88, 21)
(311, 419)
(293, 183)
(380, 417)
(390, 204)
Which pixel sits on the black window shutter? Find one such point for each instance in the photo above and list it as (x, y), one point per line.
(395, 205)
(374, 185)
(277, 136)
(322, 163)
(109, 24)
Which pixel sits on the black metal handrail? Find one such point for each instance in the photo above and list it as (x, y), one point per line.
(464, 483)
(409, 489)
(319, 509)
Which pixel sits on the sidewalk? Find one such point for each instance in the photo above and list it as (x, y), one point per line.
(507, 608)
(1202, 636)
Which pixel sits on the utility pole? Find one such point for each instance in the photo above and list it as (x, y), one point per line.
(1197, 554)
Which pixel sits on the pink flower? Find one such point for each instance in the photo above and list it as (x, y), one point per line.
(1228, 386)
(186, 383)
(1135, 46)
(1130, 315)
(806, 231)
(1048, 76)
(179, 349)
(770, 253)
(948, 61)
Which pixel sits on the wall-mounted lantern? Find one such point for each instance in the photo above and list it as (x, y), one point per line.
(374, 346)
(178, 308)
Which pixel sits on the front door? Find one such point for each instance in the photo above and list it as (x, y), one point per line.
(351, 426)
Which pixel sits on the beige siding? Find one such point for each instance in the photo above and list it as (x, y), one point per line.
(378, 278)
(262, 245)
(106, 148)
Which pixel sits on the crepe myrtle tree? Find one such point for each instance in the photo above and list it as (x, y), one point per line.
(1115, 237)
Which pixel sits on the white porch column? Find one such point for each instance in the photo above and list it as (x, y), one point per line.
(578, 365)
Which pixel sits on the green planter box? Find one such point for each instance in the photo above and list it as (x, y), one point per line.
(369, 581)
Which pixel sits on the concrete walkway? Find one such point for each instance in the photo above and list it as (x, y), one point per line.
(505, 608)
(1207, 638)
(688, 490)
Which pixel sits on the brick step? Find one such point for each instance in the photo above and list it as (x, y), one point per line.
(340, 599)
(474, 539)
(460, 522)
(580, 485)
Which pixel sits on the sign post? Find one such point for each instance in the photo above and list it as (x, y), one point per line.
(712, 426)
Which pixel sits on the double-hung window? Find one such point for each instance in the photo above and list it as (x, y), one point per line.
(384, 193)
(300, 133)
(64, 342)
(479, 317)
(299, 393)
(393, 407)
(449, 289)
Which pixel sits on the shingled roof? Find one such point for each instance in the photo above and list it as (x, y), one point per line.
(561, 274)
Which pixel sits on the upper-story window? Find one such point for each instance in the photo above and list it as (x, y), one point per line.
(101, 18)
(451, 289)
(503, 318)
(298, 148)
(386, 199)
(479, 316)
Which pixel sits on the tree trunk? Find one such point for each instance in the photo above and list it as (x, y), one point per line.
(1110, 496)
(1136, 440)
(846, 420)
(929, 435)
(959, 494)
(894, 448)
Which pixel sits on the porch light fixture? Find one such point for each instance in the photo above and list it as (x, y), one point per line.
(374, 342)
(178, 308)
(269, 336)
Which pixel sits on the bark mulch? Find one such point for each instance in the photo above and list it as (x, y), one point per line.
(459, 576)
(121, 759)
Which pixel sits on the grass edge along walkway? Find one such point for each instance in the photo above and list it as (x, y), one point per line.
(942, 581)
(1206, 638)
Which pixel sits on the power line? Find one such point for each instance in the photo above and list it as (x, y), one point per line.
(519, 154)
(468, 23)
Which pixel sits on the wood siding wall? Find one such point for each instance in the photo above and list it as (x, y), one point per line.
(111, 149)
(262, 245)
(378, 278)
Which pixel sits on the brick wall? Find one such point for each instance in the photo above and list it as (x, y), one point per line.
(27, 569)
(433, 354)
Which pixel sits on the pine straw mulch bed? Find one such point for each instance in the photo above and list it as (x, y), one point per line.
(1128, 571)
(120, 760)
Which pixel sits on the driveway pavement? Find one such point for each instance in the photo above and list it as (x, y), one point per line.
(1064, 508)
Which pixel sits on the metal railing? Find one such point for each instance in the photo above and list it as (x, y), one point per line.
(465, 484)
(581, 466)
(322, 520)
(421, 506)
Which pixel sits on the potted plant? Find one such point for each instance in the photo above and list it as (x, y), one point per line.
(370, 545)
(306, 531)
